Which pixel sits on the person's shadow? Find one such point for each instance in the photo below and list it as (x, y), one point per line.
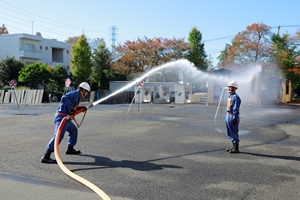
(104, 162)
(273, 156)
(101, 162)
(283, 157)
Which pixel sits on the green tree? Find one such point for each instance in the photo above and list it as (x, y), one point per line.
(196, 53)
(58, 77)
(101, 58)
(223, 57)
(9, 69)
(34, 75)
(81, 63)
(285, 56)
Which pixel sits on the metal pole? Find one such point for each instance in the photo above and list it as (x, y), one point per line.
(221, 98)
(140, 101)
(16, 99)
(132, 101)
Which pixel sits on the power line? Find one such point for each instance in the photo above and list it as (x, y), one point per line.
(42, 19)
(36, 25)
(113, 29)
(214, 51)
(221, 38)
(287, 26)
(48, 20)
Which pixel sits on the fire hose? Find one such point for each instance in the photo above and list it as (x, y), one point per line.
(56, 151)
(63, 167)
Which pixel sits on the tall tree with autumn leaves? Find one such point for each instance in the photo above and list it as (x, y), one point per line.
(258, 45)
(137, 56)
(248, 47)
(3, 30)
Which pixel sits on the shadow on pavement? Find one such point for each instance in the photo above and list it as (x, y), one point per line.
(273, 156)
(104, 162)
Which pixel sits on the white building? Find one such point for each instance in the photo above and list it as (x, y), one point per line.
(29, 49)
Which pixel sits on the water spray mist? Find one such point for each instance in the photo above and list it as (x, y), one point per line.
(190, 71)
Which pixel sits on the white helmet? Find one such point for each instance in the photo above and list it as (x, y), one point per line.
(233, 84)
(85, 86)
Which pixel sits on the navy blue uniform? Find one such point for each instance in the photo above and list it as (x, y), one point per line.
(68, 102)
(233, 111)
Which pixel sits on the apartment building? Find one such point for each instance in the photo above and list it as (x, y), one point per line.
(34, 48)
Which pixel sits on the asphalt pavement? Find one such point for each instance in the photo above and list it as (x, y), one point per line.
(176, 152)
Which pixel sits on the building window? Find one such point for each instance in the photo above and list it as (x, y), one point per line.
(67, 51)
(29, 47)
(41, 48)
(46, 48)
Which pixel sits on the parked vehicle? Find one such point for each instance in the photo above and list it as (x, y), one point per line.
(53, 98)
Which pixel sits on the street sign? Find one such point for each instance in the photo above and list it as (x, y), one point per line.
(13, 83)
(140, 84)
(68, 82)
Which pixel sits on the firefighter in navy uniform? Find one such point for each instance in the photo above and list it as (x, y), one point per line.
(68, 106)
(232, 117)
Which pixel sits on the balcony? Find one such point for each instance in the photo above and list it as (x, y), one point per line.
(33, 54)
(56, 63)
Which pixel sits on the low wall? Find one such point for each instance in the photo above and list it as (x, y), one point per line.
(21, 96)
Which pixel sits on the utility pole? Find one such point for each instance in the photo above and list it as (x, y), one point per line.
(278, 30)
(210, 62)
(113, 35)
(32, 26)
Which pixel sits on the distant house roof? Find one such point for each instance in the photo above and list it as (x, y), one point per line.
(225, 72)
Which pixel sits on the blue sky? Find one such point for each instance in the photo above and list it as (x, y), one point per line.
(218, 20)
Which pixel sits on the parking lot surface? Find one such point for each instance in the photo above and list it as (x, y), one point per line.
(177, 152)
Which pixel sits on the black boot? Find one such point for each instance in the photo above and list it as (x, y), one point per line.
(235, 148)
(72, 151)
(229, 149)
(47, 159)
